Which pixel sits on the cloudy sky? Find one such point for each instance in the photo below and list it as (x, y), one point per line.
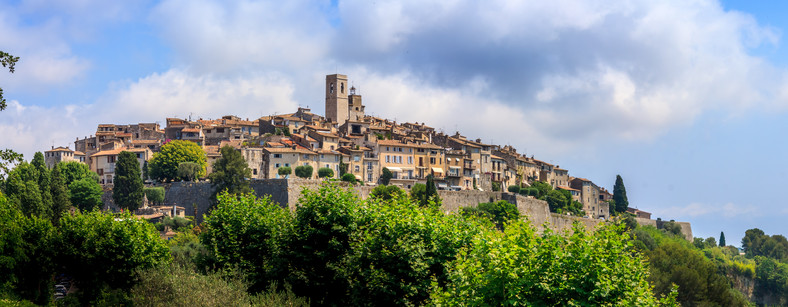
(687, 100)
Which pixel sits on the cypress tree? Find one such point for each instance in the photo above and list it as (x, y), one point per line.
(127, 184)
(43, 182)
(722, 239)
(620, 195)
(431, 191)
(60, 197)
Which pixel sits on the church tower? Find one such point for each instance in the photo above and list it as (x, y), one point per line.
(336, 98)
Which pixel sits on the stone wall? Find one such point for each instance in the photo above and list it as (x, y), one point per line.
(286, 193)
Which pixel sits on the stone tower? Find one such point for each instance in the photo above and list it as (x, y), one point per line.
(355, 108)
(336, 98)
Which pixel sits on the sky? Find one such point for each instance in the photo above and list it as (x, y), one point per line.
(686, 100)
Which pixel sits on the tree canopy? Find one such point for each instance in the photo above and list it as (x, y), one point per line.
(127, 183)
(230, 173)
(385, 176)
(620, 195)
(164, 164)
(304, 171)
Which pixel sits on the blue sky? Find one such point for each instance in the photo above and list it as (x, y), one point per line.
(687, 100)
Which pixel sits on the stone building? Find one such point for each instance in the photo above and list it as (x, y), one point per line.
(62, 154)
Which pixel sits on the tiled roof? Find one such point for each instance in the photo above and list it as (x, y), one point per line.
(60, 149)
(299, 149)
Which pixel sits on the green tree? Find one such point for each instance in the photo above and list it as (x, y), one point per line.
(145, 172)
(496, 186)
(188, 171)
(74, 171)
(249, 233)
(86, 194)
(620, 195)
(513, 189)
(342, 167)
(500, 212)
(348, 177)
(418, 193)
(61, 199)
(230, 173)
(127, 183)
(722, 239)
(557, 201)
(431, 193)
(542, 188)
(155, 194)
(386, 192)
(8, 161)
(7, 60)
(43, 181)
(385, 176)
(164, 164)
(304, 171)
(325, 172)
(103, 251)
(284, 171)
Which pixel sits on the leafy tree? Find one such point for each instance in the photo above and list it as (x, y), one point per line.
(43, 181)
(500, 212)
(722, 239)
(188, 170)
(8, 160)
(342, 167)
(86, 194)
(325, 172)
(557, 270)
(61, 199)
(230, 173)
(348, 177)
(620, 195)
(74, 171)
(249, 233)
(543, 188)
(103, 250)
(557, 201)
(672, 228)
(127, 183)
(7, 60)
(513, 189)
(304, 171)
(771, 281)
(757, 243)
(385, 176)
(418, 193)
(155, 194)
(496, 186)
(386, 192)
(284, 171)
(431, 192)
(145, 171)
(164, 164)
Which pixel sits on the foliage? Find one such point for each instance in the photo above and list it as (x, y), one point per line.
(304, 171)
(696, 276)
(342, 167)
(177, 223)
(496, 186)
(431, 193)
(230, 173)
(722, 239)
(418, 194)
(102, 250)
(8, 158)
(23, 191)
(385, 176)
(187, 251)
(771, 283)
(523, 268)
(61, 199)
(284, 171)
(188, 171)
(560, 201)
(247, 232)
(672, 228)
(620, 195)
(155, 194)
(500, 212)
(127, 184)
(386, 192)
(325, 172)
(348, 177)
(178, 286)
(145, 172)
(513, 189)
(542, 188)
(74, 171)
(86, 194)
(164, 164)
(44, 179)
(7, 60)
(757, 243)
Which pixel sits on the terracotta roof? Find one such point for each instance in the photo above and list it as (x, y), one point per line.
(60, 148)
(329, 135)
(395, 143)
(190, 130)
(299, 149)
(566, 188)
(117, 151)
(145, 141)
(430, 146)
(79, 153)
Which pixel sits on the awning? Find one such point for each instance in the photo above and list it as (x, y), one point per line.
(437, 170)
(394, 169)
(359, 178)
(457, 159)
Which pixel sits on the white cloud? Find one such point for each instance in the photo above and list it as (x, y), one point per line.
(728, 210)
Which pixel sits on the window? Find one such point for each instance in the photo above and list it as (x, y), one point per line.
(388, 159)
(277, 156)
(331, 88)
(342, 88)
(287, 164)
(219, 130)
(432, 160)
(399, 159)
(306, 156)
(305, 164)
(356, 158)
(357, 169)
(387, 148)
(276, 165)
(410, 160)
(322, 156)
(327, 166)
(254, 171)
(369, 167)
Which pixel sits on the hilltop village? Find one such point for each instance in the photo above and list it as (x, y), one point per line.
(346, 134)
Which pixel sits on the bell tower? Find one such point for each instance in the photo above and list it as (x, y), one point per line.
(336, 98)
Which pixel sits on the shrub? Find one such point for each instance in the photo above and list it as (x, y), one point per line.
(155, 195)
(385, 176)
(386, 192)
(304, 171)
(514, 189)
(496, 186)
(349, 177)
(284, 171)
(325, 172)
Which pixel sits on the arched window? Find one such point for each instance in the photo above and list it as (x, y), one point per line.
(342, 88)
(331, 88)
